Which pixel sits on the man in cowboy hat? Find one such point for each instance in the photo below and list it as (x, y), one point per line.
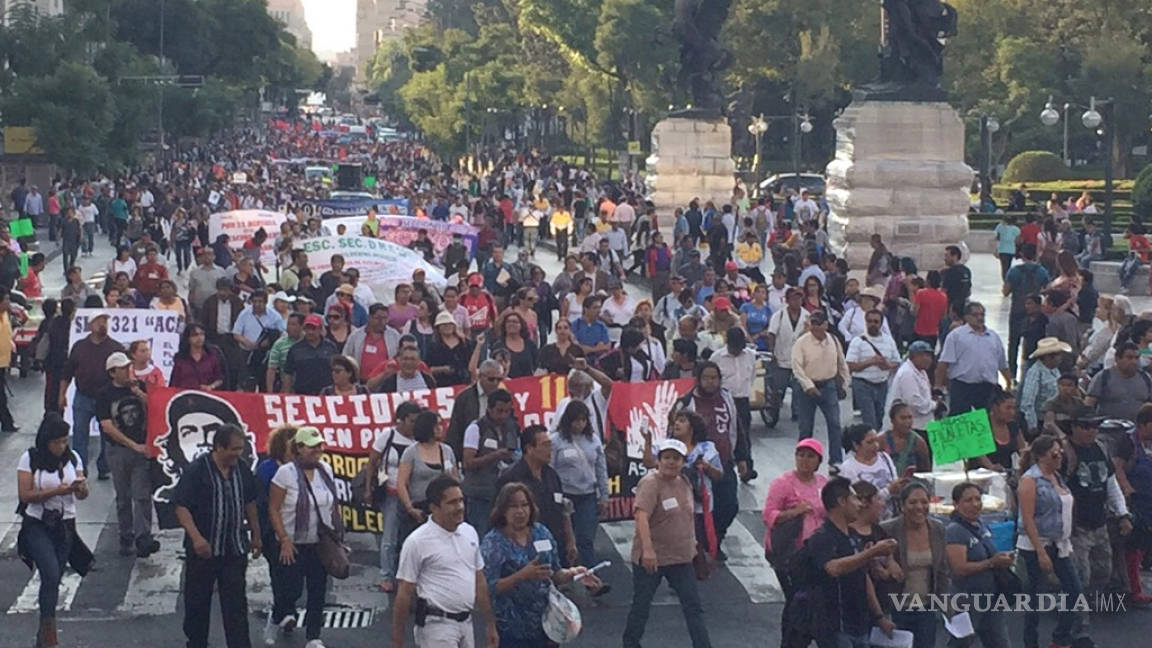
(853, 323)
(1040, 381)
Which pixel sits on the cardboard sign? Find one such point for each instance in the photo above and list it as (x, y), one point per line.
(963, 436)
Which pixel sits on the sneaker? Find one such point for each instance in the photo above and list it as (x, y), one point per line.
(314, 643)
(288, 624)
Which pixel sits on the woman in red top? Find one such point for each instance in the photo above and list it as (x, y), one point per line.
(928, 305)
(197, 365)
(142, 369)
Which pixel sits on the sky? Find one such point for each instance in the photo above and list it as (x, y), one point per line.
(333, 25)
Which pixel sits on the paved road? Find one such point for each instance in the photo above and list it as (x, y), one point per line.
(136, 602)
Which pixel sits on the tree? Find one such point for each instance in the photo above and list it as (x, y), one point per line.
(72, 111)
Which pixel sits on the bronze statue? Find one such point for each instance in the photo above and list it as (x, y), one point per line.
(697, 23)
(912, 50)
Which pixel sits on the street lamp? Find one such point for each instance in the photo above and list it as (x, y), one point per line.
(757, 128)
(988, 126)
(1104, 123)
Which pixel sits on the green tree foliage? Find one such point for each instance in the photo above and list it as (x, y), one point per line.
(76, 77)
(66, 108)
(1142, 194)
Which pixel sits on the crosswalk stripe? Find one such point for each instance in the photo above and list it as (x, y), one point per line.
(747, 564)
(621, 533)
(154, 584)
(28, 601)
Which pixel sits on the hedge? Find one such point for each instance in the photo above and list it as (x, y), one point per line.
(1035, 166)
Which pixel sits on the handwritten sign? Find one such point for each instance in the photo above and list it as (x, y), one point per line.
(963, 436)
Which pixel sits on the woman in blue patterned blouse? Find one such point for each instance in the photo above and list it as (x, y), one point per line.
(520, 558)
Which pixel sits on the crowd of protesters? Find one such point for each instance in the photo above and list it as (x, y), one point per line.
(481, 515)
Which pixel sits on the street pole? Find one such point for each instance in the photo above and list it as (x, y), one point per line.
(160, 106)
(985, 154)
(796, 147)
(1109, 114)
(1067, 162)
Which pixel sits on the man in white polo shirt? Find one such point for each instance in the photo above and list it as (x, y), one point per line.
(442, 569)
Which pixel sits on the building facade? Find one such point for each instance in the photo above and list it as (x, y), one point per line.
(380, 20)
(43, 7)
(290, 13)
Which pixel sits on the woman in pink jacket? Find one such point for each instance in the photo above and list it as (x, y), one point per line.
(792, 512)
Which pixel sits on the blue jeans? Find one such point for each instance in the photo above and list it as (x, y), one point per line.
(869, 398)
(83, 411)
(922, 625)
(682, 579)
(1068, 623)
(1128, 268)
(183, 255)
(829, 403)
(49, 552)
(89, 237)
(389, 546)
(585, 521)
(843, 640)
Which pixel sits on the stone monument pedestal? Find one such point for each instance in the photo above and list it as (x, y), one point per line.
(899, 172)
(691, 158)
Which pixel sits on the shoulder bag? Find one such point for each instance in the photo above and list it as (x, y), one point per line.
(330, 547)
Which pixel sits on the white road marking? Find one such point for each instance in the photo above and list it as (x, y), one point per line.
(154, 585)
(747, 564)
(28, 598)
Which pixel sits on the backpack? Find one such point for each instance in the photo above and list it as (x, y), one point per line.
(1030, 284)
(1106, 376)
(805, 611)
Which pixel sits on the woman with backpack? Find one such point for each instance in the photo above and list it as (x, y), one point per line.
(49, 480)
(792, 512)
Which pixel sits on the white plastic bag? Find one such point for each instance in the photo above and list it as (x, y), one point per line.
(561, 621)
(899, 639)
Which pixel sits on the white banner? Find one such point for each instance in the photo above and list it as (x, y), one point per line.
(241, 224)
(382, 264)
(161, 328)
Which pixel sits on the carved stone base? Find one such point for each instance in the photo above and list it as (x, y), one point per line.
(691, 158)
(899, 172)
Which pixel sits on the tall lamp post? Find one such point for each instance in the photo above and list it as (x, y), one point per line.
(1097, 120)
(757, 128)
(988, 127)
(802, 125)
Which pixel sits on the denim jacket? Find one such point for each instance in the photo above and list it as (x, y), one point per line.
(1049, 509)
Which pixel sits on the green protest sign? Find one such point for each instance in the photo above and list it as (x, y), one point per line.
(21, 227)
(369, 182)
(961, 437)
(23, 264)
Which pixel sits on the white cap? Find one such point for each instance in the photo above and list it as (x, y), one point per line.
(673, 444)
(116, 360)
(283, 296)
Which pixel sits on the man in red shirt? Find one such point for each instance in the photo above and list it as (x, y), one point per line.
(928, 305)
(150, 274)
(479, 304)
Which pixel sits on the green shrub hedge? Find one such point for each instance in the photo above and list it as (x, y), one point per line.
(1035, 166)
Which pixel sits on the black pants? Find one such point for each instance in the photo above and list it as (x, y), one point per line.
(68, 256)
(227, 574)
(1015, 335)
(727, 501)
(1005, 263)
(6, 421)
(744, 427)
(562, 236)
(307, 568)
(789, 637)
(963, 396)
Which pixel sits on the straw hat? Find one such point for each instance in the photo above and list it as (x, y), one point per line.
(1048, 346)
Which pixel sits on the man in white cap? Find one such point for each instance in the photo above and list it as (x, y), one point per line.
(121, 410)
(86, 364)
(912, 386)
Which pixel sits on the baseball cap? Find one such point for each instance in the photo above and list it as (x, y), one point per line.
(116, 360)
(919, 346)
(813, 445)
(314, 320)
(95, 316)
(346, 289)
(309, 436)
(283, 296)
(676, 277)
(475, 279)
(730, 266)
(673, 444)
(722, 303)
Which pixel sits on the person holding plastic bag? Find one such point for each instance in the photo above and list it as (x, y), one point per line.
(521, 564)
